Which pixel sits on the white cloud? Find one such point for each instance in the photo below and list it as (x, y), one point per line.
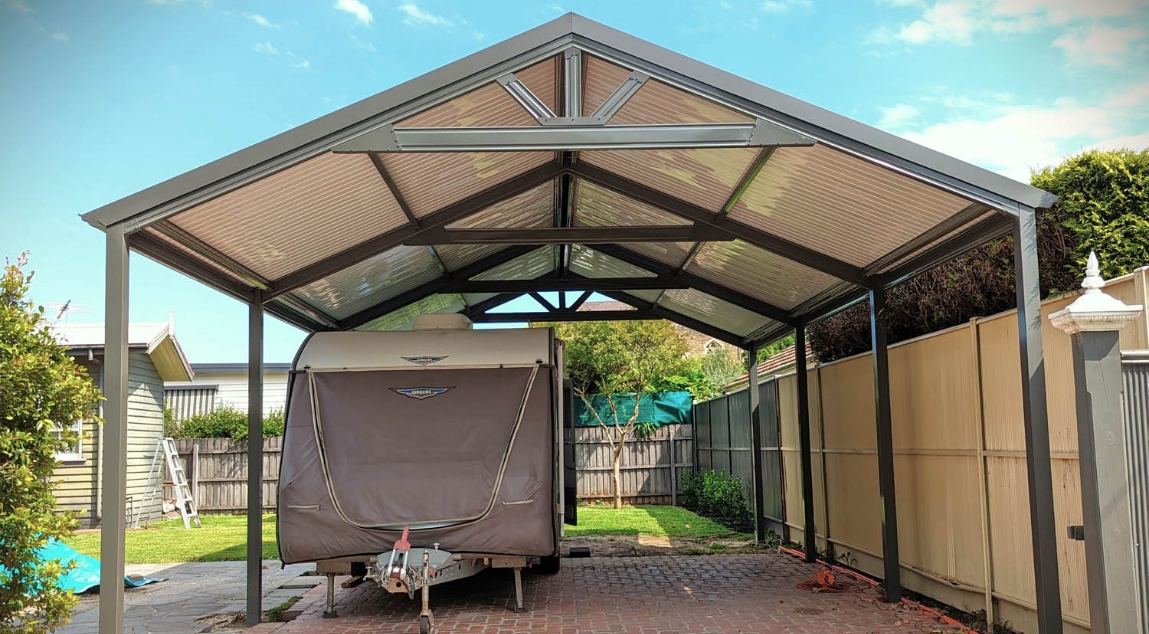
(357, 9)
(305, 65)
(60, 36)
(1099, 44)
(417, 16)
(17, 5)
(902, 3)
(478, 36)
(557, 8)
(260, 20)
(266, 48)
(895, 117)
(784, 6)
(1132, 98)
(943, 22)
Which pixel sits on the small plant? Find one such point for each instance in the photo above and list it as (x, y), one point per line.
(277, 614)
(717, 496)
(171, 425)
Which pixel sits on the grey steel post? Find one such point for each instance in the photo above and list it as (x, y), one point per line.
(1093, 322)
(255, 460)
(1035, 416)
(810, 540)
(756, 444)
(892, 576)
(114, 432)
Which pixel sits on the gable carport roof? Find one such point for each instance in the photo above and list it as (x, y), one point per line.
(571, 151)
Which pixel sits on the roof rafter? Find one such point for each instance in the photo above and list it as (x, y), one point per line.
(571, 235)
(661, 312)
(553, 284)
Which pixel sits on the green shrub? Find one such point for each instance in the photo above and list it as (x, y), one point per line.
(719, 497)
(227, 422)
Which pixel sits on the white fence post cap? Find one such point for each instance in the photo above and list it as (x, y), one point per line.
(1094, 311)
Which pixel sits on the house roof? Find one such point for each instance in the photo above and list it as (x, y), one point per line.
(777, 363)
(570, 157)
(157, 339)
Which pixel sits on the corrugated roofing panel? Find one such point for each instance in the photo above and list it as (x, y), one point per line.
(601, 79)
(540, 80)
(672, 253)
(490, 106)
(657, 103)
(706, 177)
(761, 274)
(192, 255)
(648, 295)
(404, 318)
(597, 206)
(587, 262)
(711, 310)
(365, 284)
(456, 256)
(534, 208)
(926, 247)
(525, 267)
(432, 180)
(839, 205)
(298, 216)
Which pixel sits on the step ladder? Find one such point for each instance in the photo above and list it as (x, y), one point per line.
(185, 501)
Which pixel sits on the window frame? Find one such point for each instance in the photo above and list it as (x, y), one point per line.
(74, 454)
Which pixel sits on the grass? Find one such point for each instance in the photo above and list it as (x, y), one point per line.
(655, 521)
(222, 538)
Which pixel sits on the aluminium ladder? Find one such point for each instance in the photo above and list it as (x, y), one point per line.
(185, 501)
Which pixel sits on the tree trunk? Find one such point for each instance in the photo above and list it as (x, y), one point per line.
(617, 481)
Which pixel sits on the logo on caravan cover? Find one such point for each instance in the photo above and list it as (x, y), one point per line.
(420, 392)
(425, 360)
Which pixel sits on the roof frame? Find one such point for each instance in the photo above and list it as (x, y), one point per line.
(661, 312)
(550, 283)
(571, 235)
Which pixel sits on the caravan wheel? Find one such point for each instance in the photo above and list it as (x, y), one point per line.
(549, 565)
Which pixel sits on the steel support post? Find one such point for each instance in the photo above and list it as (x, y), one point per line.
(114, 432)
(756, 444)
(1038, 466)
(891, 578)
(810, 538)
(255, 460)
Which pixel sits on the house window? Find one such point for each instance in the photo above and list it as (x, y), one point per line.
(74, 452)
(712, 345)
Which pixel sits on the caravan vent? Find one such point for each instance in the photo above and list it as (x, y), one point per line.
(448, 321)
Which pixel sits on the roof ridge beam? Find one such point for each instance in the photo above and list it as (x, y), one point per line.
(741, 300)
(761, 239)
(571, 235)
(396, 237)
(554, 284)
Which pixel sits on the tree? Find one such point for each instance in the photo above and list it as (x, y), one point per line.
(44, 392)
(620, 357)
(1103, 206)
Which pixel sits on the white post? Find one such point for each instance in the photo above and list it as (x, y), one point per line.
(114, 433)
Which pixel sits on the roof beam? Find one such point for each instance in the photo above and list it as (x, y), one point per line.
(619, 97)
(431, 222)
(215, 256)
(698, 283)
(760, 133)
(563, 315)
(678, 318)
(489, 303)
(393, 188)
(551, 284)
(527, 99)
(438, 285)
(571, 235)
(780, 246)
(977, 235)
(747, 178)
(954, 222)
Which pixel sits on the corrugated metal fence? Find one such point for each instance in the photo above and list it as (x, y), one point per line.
(1136, 371)
(217, 468)
(724, 443)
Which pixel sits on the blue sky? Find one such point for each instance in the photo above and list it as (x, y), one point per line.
(99, 100)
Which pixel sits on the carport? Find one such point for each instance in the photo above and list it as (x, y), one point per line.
(577, 158)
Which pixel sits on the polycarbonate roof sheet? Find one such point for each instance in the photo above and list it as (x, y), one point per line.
(525, 267)
(534, 208)
(658, 103)
(893, 263)
(587, 262)
(540, 80)
(711, 310)
(432, 180)
(474, 298)
(297, 217)
(404, 318)
(489, 106)
(376, 279)
(188, 253)
(840, 205)
(596, 206)
(761, 274)
(672, 253)
(705, 177)
(649, 295)
(601, 79)
(456, 256)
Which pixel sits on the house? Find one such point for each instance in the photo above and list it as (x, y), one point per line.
(224, 385)
(154, 356)
(778, 363)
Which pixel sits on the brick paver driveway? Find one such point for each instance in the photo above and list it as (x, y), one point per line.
(640, 595)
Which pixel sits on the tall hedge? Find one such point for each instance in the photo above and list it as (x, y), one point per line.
(1103, 206)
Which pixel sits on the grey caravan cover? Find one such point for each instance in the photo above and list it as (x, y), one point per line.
(400, 444)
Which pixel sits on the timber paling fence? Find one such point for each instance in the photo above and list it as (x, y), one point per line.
(959, 459)
(217, 468)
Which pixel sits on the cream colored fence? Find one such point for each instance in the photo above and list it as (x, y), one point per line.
(962, 492)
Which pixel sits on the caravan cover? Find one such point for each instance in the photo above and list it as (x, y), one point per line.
(448, 432)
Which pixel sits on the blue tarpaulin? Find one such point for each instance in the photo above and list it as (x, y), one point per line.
(85, 574)
(662, 408)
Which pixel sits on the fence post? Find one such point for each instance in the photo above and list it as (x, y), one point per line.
(1094, 321)
(673, 468)
(195, 474)
(982, 477)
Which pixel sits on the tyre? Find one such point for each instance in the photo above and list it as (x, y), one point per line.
(424, 625)
(549, 565)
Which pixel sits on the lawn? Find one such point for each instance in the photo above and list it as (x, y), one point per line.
(655, 521)
(224, 537)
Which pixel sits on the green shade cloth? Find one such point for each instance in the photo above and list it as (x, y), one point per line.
(662, 408)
